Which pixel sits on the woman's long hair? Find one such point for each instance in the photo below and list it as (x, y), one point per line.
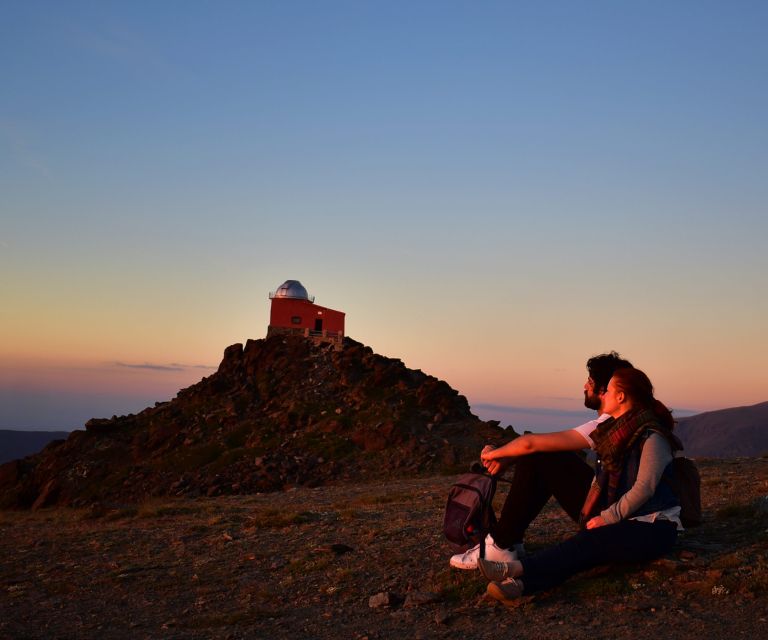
(638, 388)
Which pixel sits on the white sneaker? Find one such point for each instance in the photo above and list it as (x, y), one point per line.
(468, 559)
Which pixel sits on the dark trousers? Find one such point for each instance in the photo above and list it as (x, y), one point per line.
(539, 476)
(627, 541)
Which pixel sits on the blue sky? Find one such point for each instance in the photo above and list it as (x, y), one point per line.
(492, 192)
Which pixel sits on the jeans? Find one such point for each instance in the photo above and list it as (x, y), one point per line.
(627, 541)
(538, 477)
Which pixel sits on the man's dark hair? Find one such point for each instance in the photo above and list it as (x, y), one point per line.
(601, 368)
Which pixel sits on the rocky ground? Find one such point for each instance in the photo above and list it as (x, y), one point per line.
(362, 561)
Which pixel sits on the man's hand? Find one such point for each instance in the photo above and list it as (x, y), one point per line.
(596, 522)
(494, 466)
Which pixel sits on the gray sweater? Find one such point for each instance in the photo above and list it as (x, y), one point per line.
(656, 455)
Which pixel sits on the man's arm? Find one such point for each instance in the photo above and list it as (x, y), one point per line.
(569, 440)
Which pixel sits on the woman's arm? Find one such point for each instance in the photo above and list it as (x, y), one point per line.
(655, 457)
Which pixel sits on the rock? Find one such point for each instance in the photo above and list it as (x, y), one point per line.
(233, 358)
(46, 495)
(337, 548)
(97, 510)
(442, 616)
(99, 424)
(383, 599)
(419, 598)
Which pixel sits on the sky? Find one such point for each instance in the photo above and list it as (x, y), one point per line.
(492, 192)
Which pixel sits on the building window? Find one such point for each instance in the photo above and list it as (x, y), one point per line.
(295, 319)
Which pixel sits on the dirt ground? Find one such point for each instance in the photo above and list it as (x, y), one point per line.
(363, 561)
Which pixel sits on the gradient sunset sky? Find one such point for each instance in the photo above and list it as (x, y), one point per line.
(491, 191)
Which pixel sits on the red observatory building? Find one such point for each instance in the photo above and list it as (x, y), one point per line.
(294, 311)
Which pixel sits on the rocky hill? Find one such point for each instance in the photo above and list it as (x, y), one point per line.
(279, 411)
(727, 433)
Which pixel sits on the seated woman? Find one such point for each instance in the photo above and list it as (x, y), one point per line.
(629, 515)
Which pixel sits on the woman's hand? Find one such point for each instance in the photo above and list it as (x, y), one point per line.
(596, 522)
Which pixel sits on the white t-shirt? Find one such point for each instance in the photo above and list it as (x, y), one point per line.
(587, 428)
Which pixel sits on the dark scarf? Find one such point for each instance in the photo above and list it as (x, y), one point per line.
(613, 440)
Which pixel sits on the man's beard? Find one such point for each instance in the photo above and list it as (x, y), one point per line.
(591, 401)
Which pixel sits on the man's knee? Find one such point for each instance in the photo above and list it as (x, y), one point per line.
(555, 462)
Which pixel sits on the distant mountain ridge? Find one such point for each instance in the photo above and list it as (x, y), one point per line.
(726, 433)
(17, 443)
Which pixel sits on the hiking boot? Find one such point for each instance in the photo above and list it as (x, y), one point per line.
(505, 592)
(494, 571)
(468, 560)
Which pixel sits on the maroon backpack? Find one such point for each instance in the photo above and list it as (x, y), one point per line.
(469, 513)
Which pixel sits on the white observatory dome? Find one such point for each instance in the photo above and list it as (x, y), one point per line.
(292, 289)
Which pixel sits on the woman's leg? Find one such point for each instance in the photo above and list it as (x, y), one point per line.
(625, 542)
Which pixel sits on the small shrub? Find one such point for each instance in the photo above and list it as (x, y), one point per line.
(228, 458)
(217, 620)
(121, 513)
(275, 518)
(238, 437)
(457, 587)
(736, 511)
(386, 498)
(158, 509)
(192, 458)
(602, 587)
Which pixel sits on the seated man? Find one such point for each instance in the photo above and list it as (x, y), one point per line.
(543, 470)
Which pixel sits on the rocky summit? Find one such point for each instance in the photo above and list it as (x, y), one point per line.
(281, 411)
